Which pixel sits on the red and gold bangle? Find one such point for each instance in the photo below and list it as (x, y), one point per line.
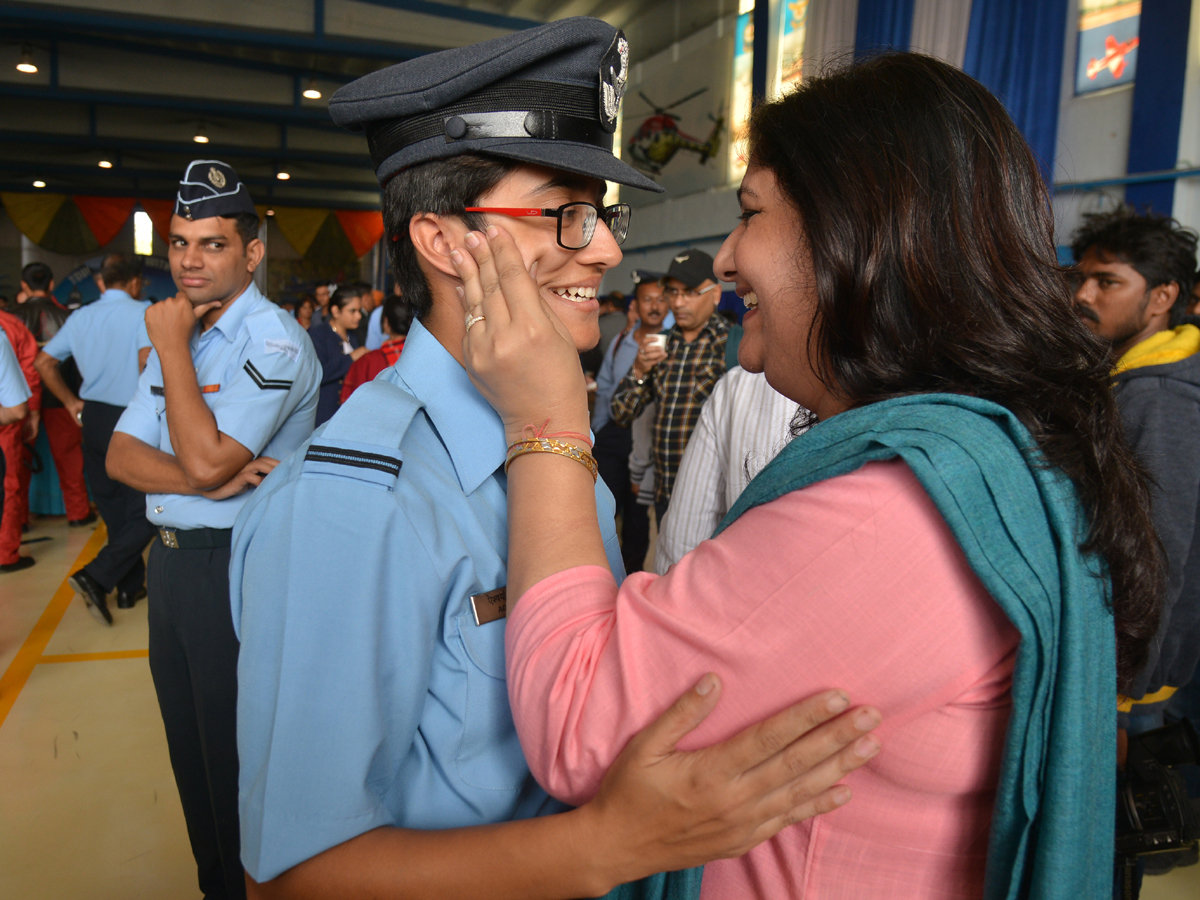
(549, 445)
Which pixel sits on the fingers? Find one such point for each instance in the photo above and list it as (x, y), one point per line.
(659, 738)
(765, 740)
(200, 310)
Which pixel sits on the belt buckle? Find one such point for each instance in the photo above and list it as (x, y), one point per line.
(168, 538)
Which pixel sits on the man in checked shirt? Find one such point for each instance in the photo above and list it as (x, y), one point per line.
(682, 376)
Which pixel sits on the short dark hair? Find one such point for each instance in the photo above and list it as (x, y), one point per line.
(38, 276)
(247, 227)
(398, 315)
(442, 187)
(343, 294)
(1160, 249)
(120, 268)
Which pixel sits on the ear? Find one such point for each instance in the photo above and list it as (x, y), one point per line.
(1163, 297)
(434, 237)
(255, 251)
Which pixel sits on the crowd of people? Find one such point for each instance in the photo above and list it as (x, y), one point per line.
(932, 472)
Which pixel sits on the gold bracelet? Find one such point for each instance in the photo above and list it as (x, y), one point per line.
(549, 445)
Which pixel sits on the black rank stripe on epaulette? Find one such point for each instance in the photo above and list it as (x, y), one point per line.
(156, 390)
(267, 384)
(343, 457)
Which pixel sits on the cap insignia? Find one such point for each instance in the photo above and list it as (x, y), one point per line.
(216, 177)
(614, 73)
(683, 257)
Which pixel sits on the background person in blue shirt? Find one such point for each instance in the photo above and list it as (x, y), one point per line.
(230, 388)
(373, 722)
(335, 345)
(107, 339)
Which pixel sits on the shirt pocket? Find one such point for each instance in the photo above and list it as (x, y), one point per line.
(706, 379)
(489, 753)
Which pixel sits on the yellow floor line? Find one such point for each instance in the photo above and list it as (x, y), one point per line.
(92, 657)
(27, 657)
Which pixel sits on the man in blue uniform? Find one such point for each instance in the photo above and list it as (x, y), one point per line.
(106, 338)
(373, 719)
(229, 389)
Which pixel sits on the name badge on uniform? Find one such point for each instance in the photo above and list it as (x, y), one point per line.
(490, 606)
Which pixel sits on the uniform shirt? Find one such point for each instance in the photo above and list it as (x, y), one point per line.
(375, 335)
(742, 427)
(259, 376)
(25, 349)
(105, 337)
(367, 695)
(366, 367)
(680, 383)
(13, 389)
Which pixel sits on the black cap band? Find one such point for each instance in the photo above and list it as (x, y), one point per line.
(510, 109)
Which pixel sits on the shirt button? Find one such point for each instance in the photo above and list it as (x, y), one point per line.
(158, 509)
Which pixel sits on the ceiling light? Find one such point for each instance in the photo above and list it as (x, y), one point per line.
(282, 176)
(311, 91)
(104, 164)
(200, 137)
(270, 212)
(27, 64)
(39, 184)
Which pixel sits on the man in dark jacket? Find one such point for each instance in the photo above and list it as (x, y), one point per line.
(1137, 273)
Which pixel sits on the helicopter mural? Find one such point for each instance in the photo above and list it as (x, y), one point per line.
(658, 138)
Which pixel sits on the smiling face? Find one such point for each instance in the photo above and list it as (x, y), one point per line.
(1114, 303)
(568, 280)
(775, 278)
(208, 260)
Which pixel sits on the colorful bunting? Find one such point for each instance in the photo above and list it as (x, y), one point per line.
(105, 216)
(85, 224)
(363, 229)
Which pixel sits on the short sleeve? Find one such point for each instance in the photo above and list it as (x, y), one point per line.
(143, 336)
(140, 418)
(269, 381)
(59, 346)
(334, 666)
(13, 389)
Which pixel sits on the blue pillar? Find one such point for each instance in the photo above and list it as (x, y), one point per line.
(762, 41)
(1158, 100)
(882, 25)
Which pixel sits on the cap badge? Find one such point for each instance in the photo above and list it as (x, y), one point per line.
(683, 257)
(614, 73)
(216, 177)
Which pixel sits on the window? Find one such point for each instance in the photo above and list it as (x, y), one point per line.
(143, 234)
(1108, 41)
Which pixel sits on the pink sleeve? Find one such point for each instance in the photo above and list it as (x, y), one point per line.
(855, 582)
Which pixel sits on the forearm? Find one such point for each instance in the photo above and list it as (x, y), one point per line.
(561, 856)
(207, 458)
(552, 520)
(145, 468)
(10, 414)
(629, 400)
(47, 367)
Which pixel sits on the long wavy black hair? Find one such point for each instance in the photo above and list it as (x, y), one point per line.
(932, 244)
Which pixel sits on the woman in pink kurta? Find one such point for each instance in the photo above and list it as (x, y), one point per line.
(855, 581)
(895, 252)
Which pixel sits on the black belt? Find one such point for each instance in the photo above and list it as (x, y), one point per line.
(195, 538)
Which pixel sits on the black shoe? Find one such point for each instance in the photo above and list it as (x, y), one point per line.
(23, 562)
(93, 595)
(86, 520)
(126, 600)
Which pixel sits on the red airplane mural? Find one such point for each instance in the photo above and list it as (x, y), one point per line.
(1114, 57)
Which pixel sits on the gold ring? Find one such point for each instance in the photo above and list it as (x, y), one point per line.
(471, 320)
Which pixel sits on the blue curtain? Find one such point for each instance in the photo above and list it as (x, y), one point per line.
(1158, 100)
(1015, 47)
(882, 25)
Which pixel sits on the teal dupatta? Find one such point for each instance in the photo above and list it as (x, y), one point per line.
(1020, 524)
